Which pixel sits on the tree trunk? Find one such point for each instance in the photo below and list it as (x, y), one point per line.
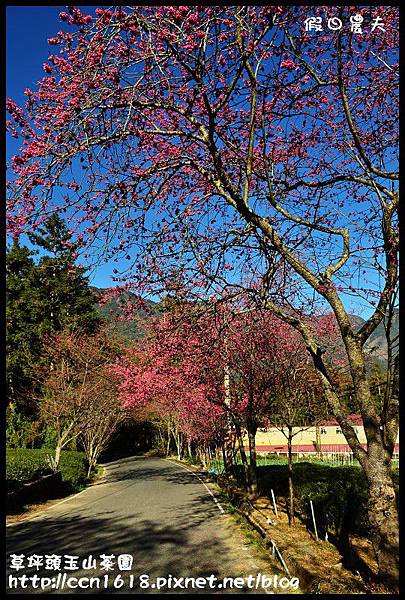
(177, 441)
(227, 445)
(92, 463)
(56, 461)
(227, 452)
(290, 479)
(242, 452)
(383, 518)
(252, 428)
(168, 440)
(161, 438)
(202, 456)
(376, 460)
(90, 457)
(318, 441)
(225, 457)
(181, 449)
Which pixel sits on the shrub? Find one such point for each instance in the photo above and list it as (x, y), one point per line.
(340, 499)
(73, 466)
(24, 465)
(338, 494)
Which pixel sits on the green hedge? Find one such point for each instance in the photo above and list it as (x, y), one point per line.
(24, 465)
(73, 466)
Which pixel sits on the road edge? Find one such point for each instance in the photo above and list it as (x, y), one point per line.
(45, 509)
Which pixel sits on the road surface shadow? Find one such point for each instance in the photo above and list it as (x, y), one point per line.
(173, 473)
(185, 538)
(182, 549)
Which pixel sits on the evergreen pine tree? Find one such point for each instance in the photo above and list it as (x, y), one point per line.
(42, 297)
(68, 300)
(23, 322)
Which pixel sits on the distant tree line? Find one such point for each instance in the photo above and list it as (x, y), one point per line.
(59, 388)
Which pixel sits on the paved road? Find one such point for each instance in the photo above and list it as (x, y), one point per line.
(150, 508)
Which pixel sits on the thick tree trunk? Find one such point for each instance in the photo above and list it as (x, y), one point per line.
(290, 480)
(62, 442)
(376, 459)
(383, 518)
(376, 462)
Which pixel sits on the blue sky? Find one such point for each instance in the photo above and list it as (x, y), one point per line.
(28, 29)
(27, 32)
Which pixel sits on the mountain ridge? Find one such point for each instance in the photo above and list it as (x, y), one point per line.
(133, 328)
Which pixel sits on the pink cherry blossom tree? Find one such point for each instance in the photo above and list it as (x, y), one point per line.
(170, 376)
(221, 150)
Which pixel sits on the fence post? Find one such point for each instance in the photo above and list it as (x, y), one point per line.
(274, 503)
(313, 518)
